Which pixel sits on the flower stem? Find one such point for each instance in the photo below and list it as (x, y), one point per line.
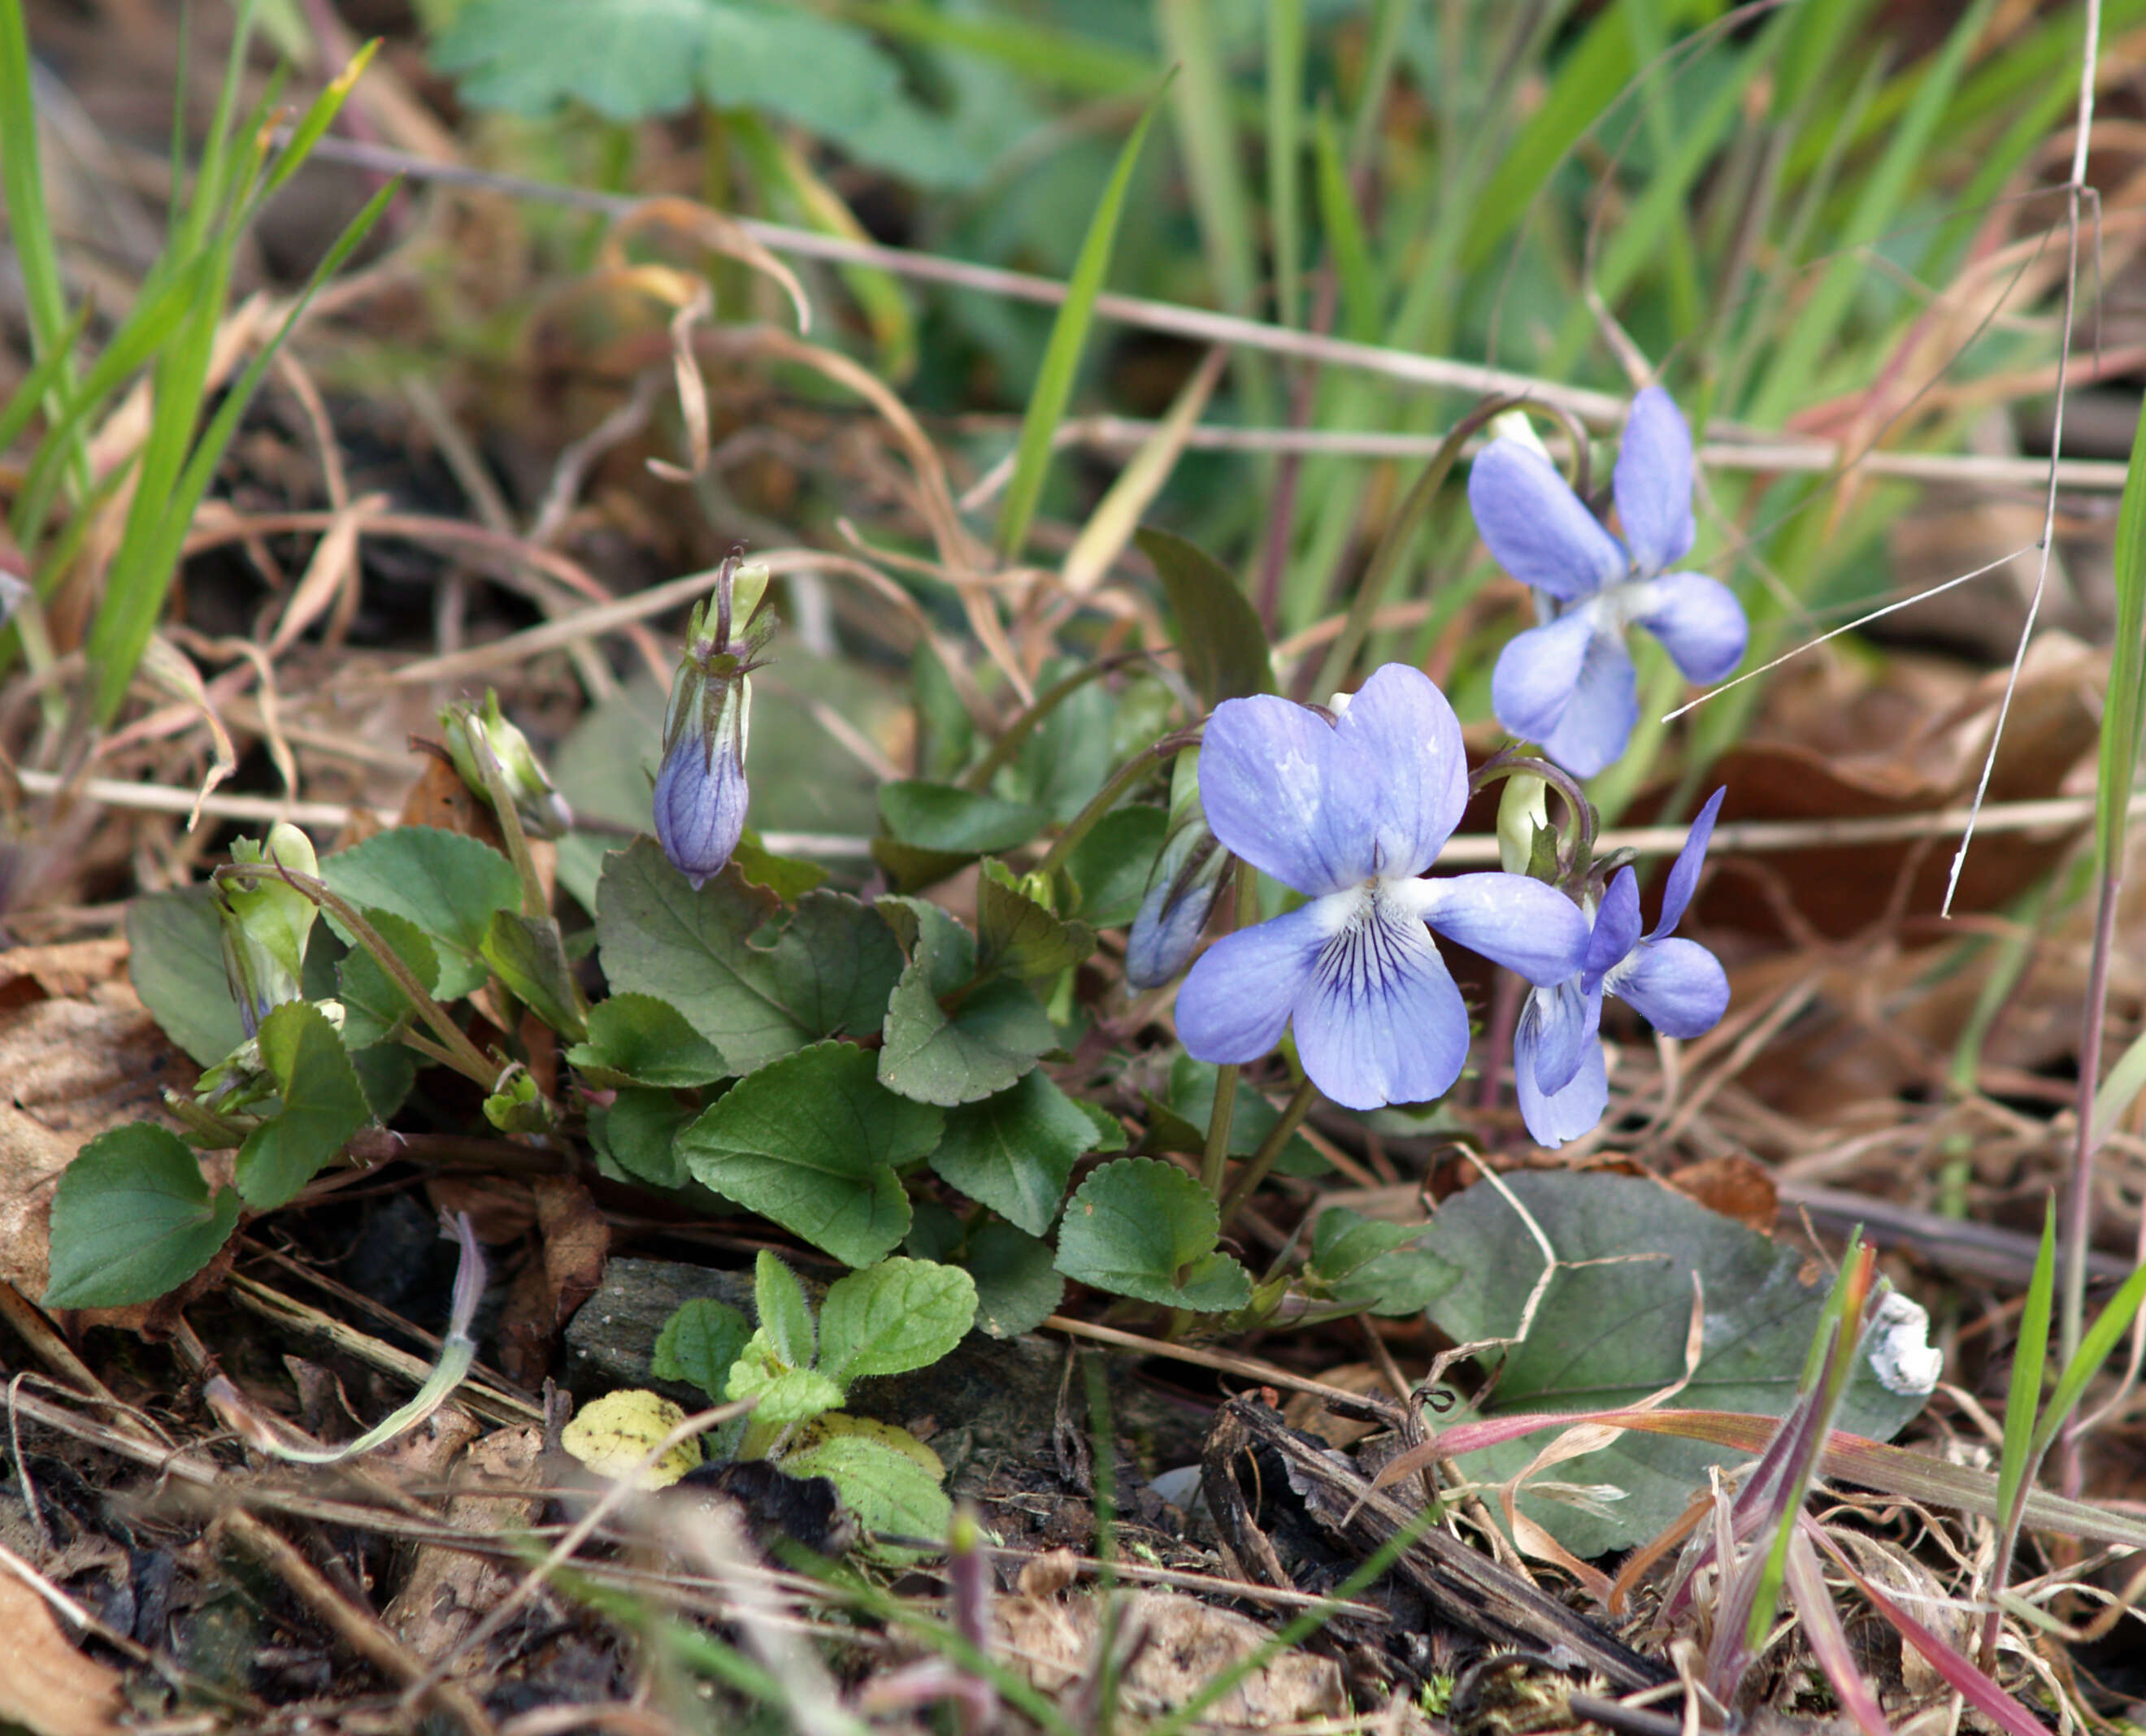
(1216, 1157)
(1142, 764)
(1256, 1168)
(978, 776)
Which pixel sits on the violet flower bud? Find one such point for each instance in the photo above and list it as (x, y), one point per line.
(543, 811)
(1187, 878)
(701, 791)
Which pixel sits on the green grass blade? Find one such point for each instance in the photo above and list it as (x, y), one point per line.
(2094, 1349)
(2024, 1400)
(29, 223)
(42, 382)
(1593, 76)
(1363, 296)
(1817, 329)
(319, 115)
(1069, 336)
(2122, 713)
(1286, 153)
(131, 609)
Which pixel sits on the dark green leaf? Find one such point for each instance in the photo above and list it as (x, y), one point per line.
(1361, 1262)
(900, 1315)
(943, 817)
(386, 1072)
(1608, 1333)
(788, 878)
(1017, 1287)
(810, 1140)
(708, 953)
(1016, 935)
(1145, 1228)
(1110, 865)
(910, 870)
(323, 1105)
(639, 1039)
(1015, 1152)
(530, 957)
(374, 1006)
(132, 1220)
(699, 1344)
(993, 1036)
(175, 957)
(1218, 633)
(447, 883)
(639, 1132)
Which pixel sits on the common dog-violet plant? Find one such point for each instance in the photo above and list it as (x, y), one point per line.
(1677, 985)
(1569, 683)
(1351, 812)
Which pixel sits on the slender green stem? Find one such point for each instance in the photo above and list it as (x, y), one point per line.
(459, 1052)
(1256, 1168)
(978, 776)
(534, 904)
(1215, 1158)
(1400, 535)
(1141, 766)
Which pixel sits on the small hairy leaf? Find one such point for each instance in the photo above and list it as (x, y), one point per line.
(786, 1396)
(132, 1220)
(888, 1478)
(785, 1317)
(698, 1342)
(897, 1315)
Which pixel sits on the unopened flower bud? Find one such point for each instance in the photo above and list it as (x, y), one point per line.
(700, 789)
(265, 926)
(1187, 877)
(471, 732)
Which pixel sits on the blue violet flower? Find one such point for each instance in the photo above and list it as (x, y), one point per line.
(1678, 986)
(1350, 813)
(1569, 683)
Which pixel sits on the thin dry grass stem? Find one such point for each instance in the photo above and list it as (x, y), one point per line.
(2075, 189)
(1124, 433)
(358, 1630)
(1246, 1367)
(615, 1496)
